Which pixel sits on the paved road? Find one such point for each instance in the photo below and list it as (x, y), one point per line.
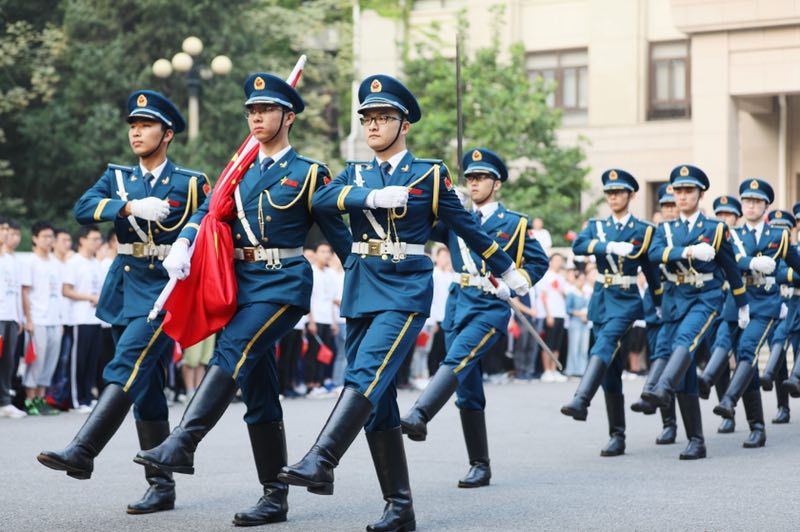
(548, 475)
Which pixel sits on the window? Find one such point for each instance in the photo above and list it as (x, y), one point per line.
(568, 68)
(669, 80)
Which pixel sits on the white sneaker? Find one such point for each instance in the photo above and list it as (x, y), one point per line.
(548, 376)
(11, 411)
(559, 377)
(82, 409)
(318, 393)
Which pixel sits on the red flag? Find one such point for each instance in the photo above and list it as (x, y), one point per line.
(513, 329)
(324, 355)
(422, 339)
(177, 352)
(30, 353)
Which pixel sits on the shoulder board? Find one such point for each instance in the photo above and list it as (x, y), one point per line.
(712, 219)
(646, 222)
(190, 173)
(593, 220)
(515, 213)
(356, 162)
(428, 162)
(310, 160)
(112, 166)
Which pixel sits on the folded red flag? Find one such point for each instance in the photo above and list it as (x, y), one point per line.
(30, 353)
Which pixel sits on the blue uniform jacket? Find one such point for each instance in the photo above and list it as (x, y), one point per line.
(684, 296)
(615, 301)
(514, 233)
(375, 284)
(279, 203)
(133, 284)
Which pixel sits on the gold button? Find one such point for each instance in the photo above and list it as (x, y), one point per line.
(238, 236)
(158, 231)
(269, 218)
(130, 229)
(265, 239)
(464, 268)
(151, 266)
(365, 236)
(384, 257)
(127, 268)
(363, 256)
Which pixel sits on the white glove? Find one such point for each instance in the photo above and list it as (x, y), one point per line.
(178, 261)
(461, 197)
(153, 209)
(387, 198)
(784, 311)
(619, 248)
(503, 291)
(765, 265)
(703, 252)
(516, 281)
(744, 316)
(658, 312)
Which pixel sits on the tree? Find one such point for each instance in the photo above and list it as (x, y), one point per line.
(507, 113)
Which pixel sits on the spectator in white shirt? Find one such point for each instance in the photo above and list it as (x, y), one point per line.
(340, 360)
(542, 235)
(321, 326)
(41, 301)
(105, 256)
(9, 323)
(59, 393)
(553, 287)
(442, 279)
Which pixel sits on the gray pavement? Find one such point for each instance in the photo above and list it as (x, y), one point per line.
(547, 474)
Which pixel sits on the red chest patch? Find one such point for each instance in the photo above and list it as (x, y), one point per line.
(636, 242)
(174, 203)
(288, 182)
(448, 183)
(415, 191)
(773, 245)
(326, 180)
(503, 235)
(704, 239)
(206, 188)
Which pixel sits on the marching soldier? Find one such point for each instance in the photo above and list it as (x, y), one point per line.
(393, 202)
(477, 312)
(272, 218)
(724, 329)
(697, 259)
(792, 383)
(149, 203)
(619, 244)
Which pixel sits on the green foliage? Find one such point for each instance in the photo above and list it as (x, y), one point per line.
(507, 113)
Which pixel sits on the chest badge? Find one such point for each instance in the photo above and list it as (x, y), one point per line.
(404, 168)
(284, 164)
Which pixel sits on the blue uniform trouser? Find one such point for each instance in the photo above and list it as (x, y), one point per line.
(465, 347)
(651, 330)
(376, 347)
(245, 349)
(751, 339)
(607, 342)
(139, 365)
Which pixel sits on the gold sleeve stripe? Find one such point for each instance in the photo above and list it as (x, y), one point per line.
(489, 252)
(718, 237)
(648, 235)
(665, 255)
(521, 228)
(592, 244)
(193, 192)
(312, 175)
(783, 248)
(98, 212)
(342, 195)
(738, 291)
(789, 275)
(659, 291)
(191, 225)
(435, 203)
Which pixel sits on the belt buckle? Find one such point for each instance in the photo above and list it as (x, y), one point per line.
(138, 250)
(607, 280)
(699, 282)
(374, 248)
(680, 279)
(249, 254)
(464, 280)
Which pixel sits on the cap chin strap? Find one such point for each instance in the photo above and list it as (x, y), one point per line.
(158, 146)
(280, 126)
(397, 136)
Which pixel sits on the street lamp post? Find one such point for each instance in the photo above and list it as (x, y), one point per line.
(184, 62)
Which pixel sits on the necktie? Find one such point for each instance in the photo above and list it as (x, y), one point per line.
(755, 235)
(479, 217)
(148, 188)
(265, 164)
(385, 167)
(619, 227)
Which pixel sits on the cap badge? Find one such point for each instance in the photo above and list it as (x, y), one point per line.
(476, 155)
(779, 214)
(684, 171)
(375, 86)
(258, 83)
(723, 200)
(754, 184)
(612, 175)
(141, 101)
(670, 190)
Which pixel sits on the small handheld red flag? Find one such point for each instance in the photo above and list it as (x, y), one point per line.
(324, 355)
(30, 353)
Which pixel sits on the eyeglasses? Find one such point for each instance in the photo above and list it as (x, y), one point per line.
(381, 120)
(261, 110)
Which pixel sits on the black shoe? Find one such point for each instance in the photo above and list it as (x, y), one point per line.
(755, 419)
(176, 453)
(792, 385)
(690, 413)
(728, 426)
(662, 394)
(268, 441)
(430, 401)
(777, 358)
(77, 458)
(739, 382)
(160, 495)
(670, 431)
(782, 416)
(654, 373)
(473, 423)
(615, 409)
(578, 407)
(716, 366)
(389, 458)
(315, 470)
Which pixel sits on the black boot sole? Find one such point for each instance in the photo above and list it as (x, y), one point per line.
(766, 384)
(704, 389)
(780, 421)
(412, 434)
(280, 518)
(607, 454)
(405, 527)
(692, 456)
(154, 509)
(577, 415)
(58, 465)
(644, 407)
(317, 488)
(655, 399)
(184, 470)
(724, 412)
(472, 484)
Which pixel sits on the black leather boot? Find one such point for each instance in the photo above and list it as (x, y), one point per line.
(615, 408)
(727, 426)
(268, 441)
(176, 453)
(739, 382)
(315, 470)
(578, 407)
(669, 433)
(792, 384)
(777, 358)
(755, 418)
(430, 401)
(473, 422)
(782, 394)
(690, 413)
(653, 374)
(389, 458)
(716, 366)
(161, 493)
(662, 394)
(77, 458)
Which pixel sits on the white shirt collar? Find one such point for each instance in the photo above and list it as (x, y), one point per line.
(487, 210)
(394, 160)
(275, 156)
(691, 219)
(156, 172)
(759, 228)
(624, 220)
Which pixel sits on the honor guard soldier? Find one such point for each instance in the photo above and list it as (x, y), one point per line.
(619, 244)
(149, 203)
(668, 211)
(792, 383)
(393, 202)
(724, 331)
(697, 258)
(789, 284)
(477, 312)
(273, 217)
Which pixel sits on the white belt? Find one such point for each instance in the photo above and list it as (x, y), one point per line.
(696, 279)
(789, 291)
(381, 248)
(271, 256)
(758, 279)
(616, 279)
(142, 250)
(478, 281)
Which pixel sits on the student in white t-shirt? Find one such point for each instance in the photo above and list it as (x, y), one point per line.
(9, 323)
(340, 360)
(553, 290)
(41, 302)
(82, 283)
(59, 391)
(321, 325)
